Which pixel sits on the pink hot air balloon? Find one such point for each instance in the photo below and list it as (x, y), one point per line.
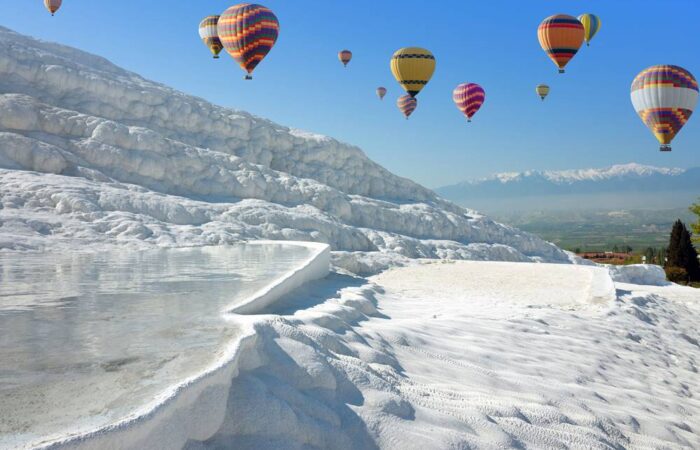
(469, 97)
(407, 105)
(381, 92)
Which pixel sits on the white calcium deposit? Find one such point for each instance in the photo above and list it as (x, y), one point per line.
(91, 152)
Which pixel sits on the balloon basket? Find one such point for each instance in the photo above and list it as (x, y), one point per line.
(248, 77)
(561, 70)
(665, 148)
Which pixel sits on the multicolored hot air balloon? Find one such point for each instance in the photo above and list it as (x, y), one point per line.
(469, 97)
(560, 37)
(248, 32)
(407, 104)
(591, 25)
(52, 5)
(413, 67)
(345, 56)
(664, 97)
(381, 92)
(208, 31)
(542, 90)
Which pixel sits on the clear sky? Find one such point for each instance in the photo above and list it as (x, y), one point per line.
(587, 121)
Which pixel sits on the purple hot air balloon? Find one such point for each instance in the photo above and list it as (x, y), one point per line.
(469, 97)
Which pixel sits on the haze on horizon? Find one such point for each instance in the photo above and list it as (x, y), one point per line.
(587, 121)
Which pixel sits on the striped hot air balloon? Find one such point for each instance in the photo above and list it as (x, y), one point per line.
(591, 25)
(345, 56)
(561, 37)
(469, 97)
(209, 32)
(542, 90)
(407, 104)
(381, 92)
(413, 67)
(52, 5)
(248, 32)
(664, 97)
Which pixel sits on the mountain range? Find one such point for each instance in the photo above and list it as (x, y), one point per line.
(624, 186)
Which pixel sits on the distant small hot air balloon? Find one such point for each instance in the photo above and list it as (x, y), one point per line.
(248, 32)
(381, 92)
(52, 5)
(469, 97)
(407, 105)
(345, 56)
(413, 67)
(208, 31)
(664, 97)
(591, 25)
(560, 37)
(542, 90)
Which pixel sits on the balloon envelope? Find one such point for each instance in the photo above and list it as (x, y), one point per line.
(52, 5)
(664, 96)
(542, 90)
(345, 56)
(469, 97)
(407, 105)
(248, 32)
(591, 25)
(208, 31)
(413, 67)
(561, 37)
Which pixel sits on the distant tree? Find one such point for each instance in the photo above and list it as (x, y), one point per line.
(616, 249)
(577, 250)
(696, 226)
(628, 249)
(674, 243)
(682, 253)
(650, 254)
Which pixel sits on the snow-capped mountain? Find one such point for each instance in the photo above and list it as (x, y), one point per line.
(93, 154)
(624, 185)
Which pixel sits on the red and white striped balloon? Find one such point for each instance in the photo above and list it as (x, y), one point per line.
(407, 105)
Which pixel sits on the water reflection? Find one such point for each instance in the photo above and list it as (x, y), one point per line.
(86, 337)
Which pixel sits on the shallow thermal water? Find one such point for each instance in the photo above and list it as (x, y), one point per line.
(86, 339)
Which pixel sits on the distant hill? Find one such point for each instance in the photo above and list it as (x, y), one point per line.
(621, 186)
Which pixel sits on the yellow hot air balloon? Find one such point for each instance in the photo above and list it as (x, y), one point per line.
(542, 90)
(591, 25)
(413, 67)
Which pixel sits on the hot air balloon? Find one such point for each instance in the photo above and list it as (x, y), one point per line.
(381, 92)
(209, 33)
(591, 25)
(413, 67)
(542, 90)
(664, 97)
(469, 97)
(560, 37)
(248, 32)
(345, 56)
(407, 105)
(52, 5)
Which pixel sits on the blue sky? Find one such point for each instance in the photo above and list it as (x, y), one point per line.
(587, 121)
